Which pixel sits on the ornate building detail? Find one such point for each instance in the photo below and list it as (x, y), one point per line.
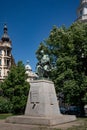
(29, 72)
(82, 11)
(6, 58)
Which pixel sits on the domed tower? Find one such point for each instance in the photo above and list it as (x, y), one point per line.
(5, 54)
(29, 72)
(82, 11)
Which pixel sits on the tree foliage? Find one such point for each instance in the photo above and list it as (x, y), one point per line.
(5, 106)
(15, 88)
(67, 48)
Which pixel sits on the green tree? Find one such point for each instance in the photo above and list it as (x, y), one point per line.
(5, 106)
(15, 88)
(67, 48)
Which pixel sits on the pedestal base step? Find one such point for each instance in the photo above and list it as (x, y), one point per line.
(44, 121)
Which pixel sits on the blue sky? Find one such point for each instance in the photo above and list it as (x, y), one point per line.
(29, 22)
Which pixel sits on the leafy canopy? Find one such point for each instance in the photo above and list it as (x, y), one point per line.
(15, 88)
(67, 48)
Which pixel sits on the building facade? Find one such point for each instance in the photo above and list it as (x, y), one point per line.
(31, 75)
(7, 60)
(82, 11)
(5, 54)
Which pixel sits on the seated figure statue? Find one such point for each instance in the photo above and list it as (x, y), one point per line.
(43, 67)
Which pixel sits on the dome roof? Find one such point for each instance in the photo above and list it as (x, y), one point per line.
(5, 36)
(28, 67)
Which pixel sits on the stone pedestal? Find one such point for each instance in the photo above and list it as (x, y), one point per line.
(42, 100)
(42, 106)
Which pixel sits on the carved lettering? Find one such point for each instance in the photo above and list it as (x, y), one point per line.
(34, 97)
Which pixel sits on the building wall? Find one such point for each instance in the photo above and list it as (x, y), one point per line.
(5, 54)
(82, 11)
(5, 61)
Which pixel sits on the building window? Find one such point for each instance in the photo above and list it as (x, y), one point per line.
(5, 52)
(7, 72)
(0, 62)
(0, 52)
(0, 72)
(7, 62)
(8, 53)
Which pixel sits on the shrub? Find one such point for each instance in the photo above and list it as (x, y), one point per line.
(5, 105)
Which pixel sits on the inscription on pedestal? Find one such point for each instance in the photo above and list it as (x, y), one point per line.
(34, 97)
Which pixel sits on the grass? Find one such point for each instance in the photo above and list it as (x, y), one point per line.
(4, 116)
(81, 126)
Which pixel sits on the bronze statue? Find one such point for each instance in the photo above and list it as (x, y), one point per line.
(43, 67)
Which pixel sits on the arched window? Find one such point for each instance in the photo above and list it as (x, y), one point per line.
(0, 62)
(0, 72)
(0, 52)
